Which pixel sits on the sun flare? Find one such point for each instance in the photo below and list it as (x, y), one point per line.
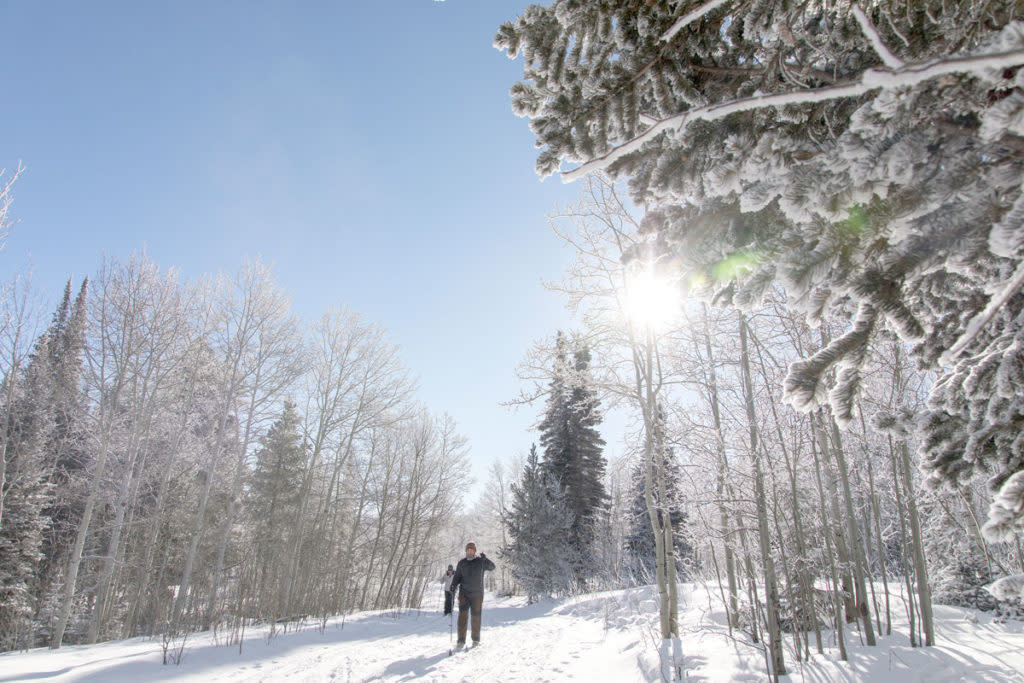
(651, 300)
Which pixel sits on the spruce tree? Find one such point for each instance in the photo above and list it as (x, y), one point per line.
(27, 490)
(639, 541)
(573, 448)
(539, 525)
(43, 446)
(274, 495)
(67, 451)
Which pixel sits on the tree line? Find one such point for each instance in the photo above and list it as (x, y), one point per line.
(188, 455)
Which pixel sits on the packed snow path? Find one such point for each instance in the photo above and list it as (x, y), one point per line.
(607, 637)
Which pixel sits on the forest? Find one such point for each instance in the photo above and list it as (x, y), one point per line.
(797, 263)
(185, 456)
(833, 192)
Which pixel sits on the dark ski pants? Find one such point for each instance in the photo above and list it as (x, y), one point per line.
(449, 597)
(468, 603)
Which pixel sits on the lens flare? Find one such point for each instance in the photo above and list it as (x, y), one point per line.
(651, 301)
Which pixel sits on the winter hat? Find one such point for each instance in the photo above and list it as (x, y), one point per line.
(450, 567)
(471, 545)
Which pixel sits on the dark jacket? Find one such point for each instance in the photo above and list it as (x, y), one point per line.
(469, 575)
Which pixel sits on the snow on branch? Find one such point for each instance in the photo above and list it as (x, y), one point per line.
(1007, 588)
(1006, 511)
(979, 321)
(803, 384)
(690, 17)
(888, 58)
(871, 79)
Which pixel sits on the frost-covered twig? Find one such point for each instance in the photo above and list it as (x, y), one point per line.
(690, 17)
(871, 79)
(888, 58)
(979, 321)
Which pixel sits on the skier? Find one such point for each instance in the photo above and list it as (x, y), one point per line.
(469, 579)
(449, 592)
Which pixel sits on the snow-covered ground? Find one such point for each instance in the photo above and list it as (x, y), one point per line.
(606, 636)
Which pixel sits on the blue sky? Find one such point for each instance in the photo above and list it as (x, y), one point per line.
(366, 149)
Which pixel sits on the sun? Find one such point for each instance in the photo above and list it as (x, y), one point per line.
(651, 300)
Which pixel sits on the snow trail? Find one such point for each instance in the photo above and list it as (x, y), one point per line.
(608, 636)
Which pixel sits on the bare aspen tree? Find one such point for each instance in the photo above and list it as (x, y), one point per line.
(6, 196)
(839, 591)
(108, 360)
(187, 391)
(855, 540)
(18, 318)
(880, 548)
(804, 579)
(722, 469)
(146, 318)
(355, 381)
(920, 566)
(253, 333)
(13, 329)
(778, 663)
(271, 349)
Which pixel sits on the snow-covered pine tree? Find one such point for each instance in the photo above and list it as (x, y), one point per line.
(868, 159)
(573, 448)
(589, 490)
(640, 547)
(26, 492)
(45, 452)
(66, 449)
(539, 525)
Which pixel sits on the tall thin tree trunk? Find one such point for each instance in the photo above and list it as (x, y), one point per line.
(197, 534)
(842, 552)
(908, 557)
(204, 499)
(838, 597)
(881, 549)
(233, 503)
(732, 609)
(144, 568)
(924, 592)
(107, 567)
(855, 539)
(68, 594)
(923, 586)
(771, 587)
(805, 581)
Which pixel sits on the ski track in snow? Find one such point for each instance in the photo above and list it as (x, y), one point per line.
(601, 637)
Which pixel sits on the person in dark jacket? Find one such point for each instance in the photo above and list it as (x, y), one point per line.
(469, 579)
(449, 590)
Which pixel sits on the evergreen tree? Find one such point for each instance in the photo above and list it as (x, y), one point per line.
(67, 451)
(275, 492)
(573, 447)
(43, 447)
(639, 541)
(539, 525)
(871, 162)
(29, 421)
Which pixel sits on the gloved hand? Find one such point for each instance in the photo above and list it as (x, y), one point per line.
(483, 555)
